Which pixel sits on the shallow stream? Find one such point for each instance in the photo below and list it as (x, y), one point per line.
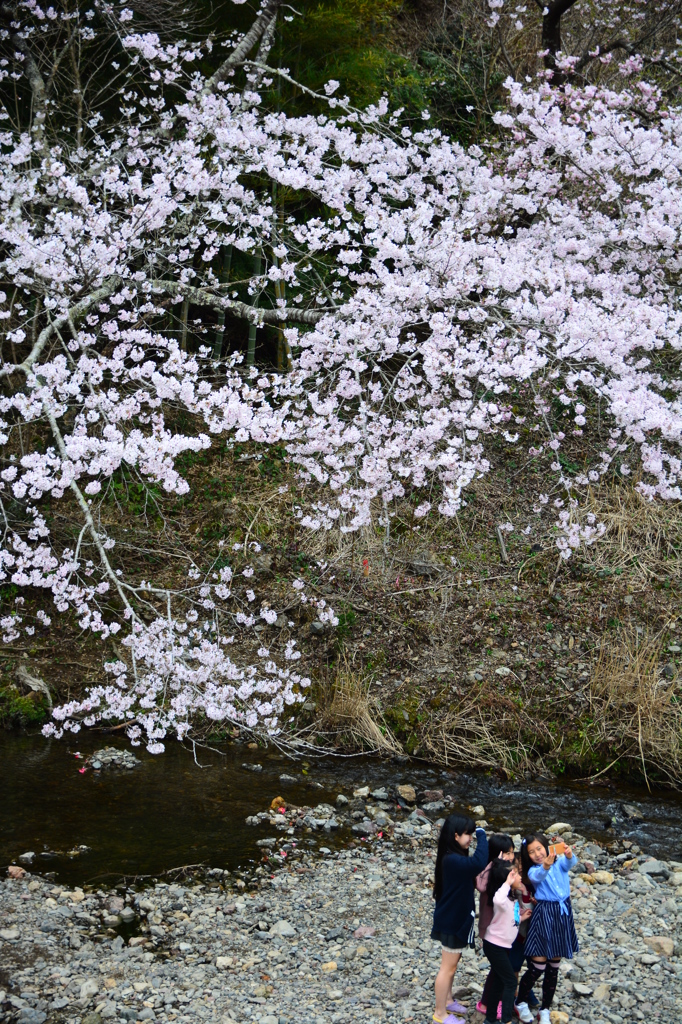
(168, 811)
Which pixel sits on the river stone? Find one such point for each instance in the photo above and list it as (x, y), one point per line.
(27, 1015)
(88, 989)
(582, 989)
(558, 828)
(603, 877)
(127, 915)
(601, 992)
(661, 944)
(654, 867)
(361, 793)
(9, 934)
(284, 929)
(407, 793)
(91, 1018)
(632, 812)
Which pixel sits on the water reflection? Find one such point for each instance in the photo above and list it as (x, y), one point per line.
(169, 812)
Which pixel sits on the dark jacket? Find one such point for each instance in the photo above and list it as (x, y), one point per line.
(454, 911)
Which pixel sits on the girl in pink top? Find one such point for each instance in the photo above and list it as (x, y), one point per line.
(499, 936)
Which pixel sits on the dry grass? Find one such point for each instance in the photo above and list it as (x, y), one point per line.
(350, 714)
(643, 538)
(634, 708)
(468, 735)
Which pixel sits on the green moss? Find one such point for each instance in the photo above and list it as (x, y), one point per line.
(17, 709)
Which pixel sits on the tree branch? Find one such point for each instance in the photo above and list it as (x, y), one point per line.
(551, 35)
(64, 320)
(261, 26)
(35, 80)
(204, 297)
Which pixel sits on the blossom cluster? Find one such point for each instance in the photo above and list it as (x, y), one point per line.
(430, 289)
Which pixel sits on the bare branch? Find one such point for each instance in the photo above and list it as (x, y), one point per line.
(204, 297)
(63, 320)
(261, 26)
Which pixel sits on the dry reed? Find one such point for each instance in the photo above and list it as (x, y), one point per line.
(634, 708)
(468, 735)
(349, 712)
(643, 538)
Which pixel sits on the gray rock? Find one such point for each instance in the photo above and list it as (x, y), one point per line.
(283, 928)
(26, 858)
(632, 812)
(581, 989)
(88, 989)
(27, 1015)
(127, 915)
(317, 628)
(654, 867)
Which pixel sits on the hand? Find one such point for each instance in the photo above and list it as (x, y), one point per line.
(568, 853)
(548, 861)
(525, 914)
(514, 878)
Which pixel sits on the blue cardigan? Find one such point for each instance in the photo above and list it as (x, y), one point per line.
(454, 911)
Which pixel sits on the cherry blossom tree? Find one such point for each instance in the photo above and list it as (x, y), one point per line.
(433, 301)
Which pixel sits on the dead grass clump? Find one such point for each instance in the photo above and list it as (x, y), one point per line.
(643, 538)
(353, 717)
(468, 735)
(634, 709)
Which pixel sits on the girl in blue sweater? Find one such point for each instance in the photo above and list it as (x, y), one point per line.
(551, 932)
(454, 916)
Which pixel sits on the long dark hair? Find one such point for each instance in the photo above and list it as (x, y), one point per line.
(499, 843)
(456, 824)
(497, 876)
(526, 862)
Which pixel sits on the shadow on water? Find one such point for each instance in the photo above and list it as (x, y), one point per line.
(168, 812)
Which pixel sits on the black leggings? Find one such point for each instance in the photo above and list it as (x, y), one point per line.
(502, 983)
(549, 972)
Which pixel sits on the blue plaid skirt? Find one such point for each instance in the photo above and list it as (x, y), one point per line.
(551, 933)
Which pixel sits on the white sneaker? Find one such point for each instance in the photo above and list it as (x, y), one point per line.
(524, 1013)
(544, 1017)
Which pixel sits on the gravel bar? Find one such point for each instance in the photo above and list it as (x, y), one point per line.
(324, 936)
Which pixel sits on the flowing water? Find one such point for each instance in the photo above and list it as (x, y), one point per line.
(170, 811)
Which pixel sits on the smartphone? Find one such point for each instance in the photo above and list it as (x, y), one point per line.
(556, 849)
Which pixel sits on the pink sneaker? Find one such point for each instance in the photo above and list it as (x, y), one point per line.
(481, 1008)
(499, 1011)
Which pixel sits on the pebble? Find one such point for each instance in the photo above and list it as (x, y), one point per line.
(335, 939)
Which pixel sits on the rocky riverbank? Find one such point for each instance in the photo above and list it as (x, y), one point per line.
(325, 936)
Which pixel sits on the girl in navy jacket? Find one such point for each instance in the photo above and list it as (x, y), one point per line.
(454, 916)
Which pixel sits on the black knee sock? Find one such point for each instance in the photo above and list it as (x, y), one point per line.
(533, 974)
(549, 983)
